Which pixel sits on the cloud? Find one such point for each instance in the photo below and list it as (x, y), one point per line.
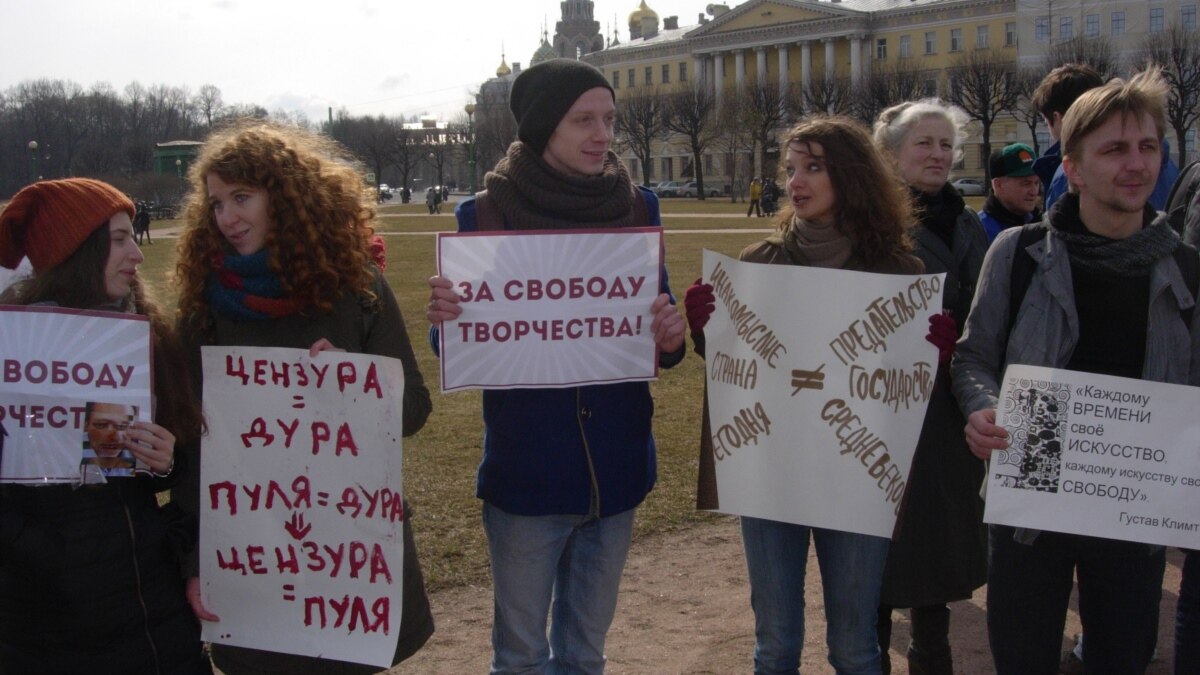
(393, 82)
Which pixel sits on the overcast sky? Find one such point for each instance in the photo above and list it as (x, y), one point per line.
(400, 57)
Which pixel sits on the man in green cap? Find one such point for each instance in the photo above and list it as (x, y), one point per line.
(1016, 190)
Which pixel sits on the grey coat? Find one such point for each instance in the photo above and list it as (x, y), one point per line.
(1046, 329)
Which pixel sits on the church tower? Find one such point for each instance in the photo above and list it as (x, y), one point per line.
(578, 32)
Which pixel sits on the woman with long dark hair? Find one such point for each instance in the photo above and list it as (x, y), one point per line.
(89, 573)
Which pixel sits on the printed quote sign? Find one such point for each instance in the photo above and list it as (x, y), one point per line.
(1097, 455)
(301, 509)
(550, 309)
(54, 362)
(817, 382)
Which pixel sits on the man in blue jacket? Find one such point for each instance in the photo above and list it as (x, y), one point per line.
(563, 469)
(1015, 190)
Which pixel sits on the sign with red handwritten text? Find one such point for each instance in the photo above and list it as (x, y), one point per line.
(53, 363)
(1097, 455)
(550, 308)
(818, 381)
(301, 508)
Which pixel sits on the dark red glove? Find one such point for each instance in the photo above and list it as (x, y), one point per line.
(379, 252)
(699, 303)
(943, 333)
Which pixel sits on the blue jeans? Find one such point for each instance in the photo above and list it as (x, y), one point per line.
(1029, 589)
(851, 576)
(1187, 617)
(572, 561)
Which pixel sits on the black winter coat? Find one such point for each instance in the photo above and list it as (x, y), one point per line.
(90, 581)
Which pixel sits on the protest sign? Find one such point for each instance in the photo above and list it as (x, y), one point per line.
(550, 309)
(817, 384)
(54, 362)
(301, 510)
(1097, 455)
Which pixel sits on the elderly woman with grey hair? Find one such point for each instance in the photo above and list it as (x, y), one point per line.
(939, 552)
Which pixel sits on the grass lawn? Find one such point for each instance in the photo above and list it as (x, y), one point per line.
(440, 461)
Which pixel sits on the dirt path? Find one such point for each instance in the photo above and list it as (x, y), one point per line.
(684, 609)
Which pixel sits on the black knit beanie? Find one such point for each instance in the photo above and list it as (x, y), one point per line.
(544, 93)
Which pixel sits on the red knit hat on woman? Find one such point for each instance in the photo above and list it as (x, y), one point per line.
(48, 220)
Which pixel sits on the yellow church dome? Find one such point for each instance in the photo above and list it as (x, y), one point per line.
(643, 11)
(503, 69)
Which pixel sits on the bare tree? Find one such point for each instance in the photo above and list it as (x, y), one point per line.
(371, 139)
(209, 104)
(985, 86)
(766, 110)
(1027, 82)
(830, 95)
(639, 125)
(407, 154)
(734, 138)
(690, 111)
(1176, 52)
(884, 87)
(1096, 52)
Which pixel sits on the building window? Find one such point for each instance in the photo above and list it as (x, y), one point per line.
(981, 37)
(930, 87)
(1188, 15)
(649, 75)
(881, 49)
(633, 166)
(683, 72)
(930, 42)
(1118, 23)
(1156, 19)
(616, 79)
(956, 40)
(632, 81)
(1041, 29)
(1043, 139)
(1066, 28)
(1091, 25)
(666, 75)
(667, 169)
(708, 164)
(905, 46)
(1010, 34)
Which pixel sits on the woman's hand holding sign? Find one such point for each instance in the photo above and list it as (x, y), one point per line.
(667, 324)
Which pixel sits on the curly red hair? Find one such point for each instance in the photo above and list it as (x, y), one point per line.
(320, 210)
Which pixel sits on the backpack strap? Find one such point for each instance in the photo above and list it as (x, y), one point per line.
(641, 212)
(488, 217)
(1023, 266)
(1188, 261)
(1181, 196)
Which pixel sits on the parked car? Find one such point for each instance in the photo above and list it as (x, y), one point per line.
(968, 186)
(693, 188)
(668, 189)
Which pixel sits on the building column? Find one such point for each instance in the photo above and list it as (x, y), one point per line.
(805, 66)
(760, 54)
(830, 62)
(699, 76)
(856, 43)
(783, 70)
(719, 87)
(739, 68)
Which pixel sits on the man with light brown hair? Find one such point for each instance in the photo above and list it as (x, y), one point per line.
(1105, 288)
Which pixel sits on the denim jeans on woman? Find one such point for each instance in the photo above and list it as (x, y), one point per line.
(851, 576)
(572, 561)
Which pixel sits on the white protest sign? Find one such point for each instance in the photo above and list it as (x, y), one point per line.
(1097, 455)
(53, 363)
(550, 308)
(301, 515)
(818, 382)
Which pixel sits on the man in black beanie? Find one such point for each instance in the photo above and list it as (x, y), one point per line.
(563, 470)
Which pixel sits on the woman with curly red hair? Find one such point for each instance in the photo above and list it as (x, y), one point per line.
(277, 252)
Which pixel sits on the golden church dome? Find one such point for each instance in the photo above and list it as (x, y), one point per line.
(503, 69)
(636, 16)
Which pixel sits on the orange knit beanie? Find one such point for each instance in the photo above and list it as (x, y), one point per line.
(48, 220)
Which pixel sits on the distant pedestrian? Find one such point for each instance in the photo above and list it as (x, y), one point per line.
(755, 198)
(141, 223)
(1016, 190)
(429, 200)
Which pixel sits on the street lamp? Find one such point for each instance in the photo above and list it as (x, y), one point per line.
(33, 146)
(470, 110)
(179, 176)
